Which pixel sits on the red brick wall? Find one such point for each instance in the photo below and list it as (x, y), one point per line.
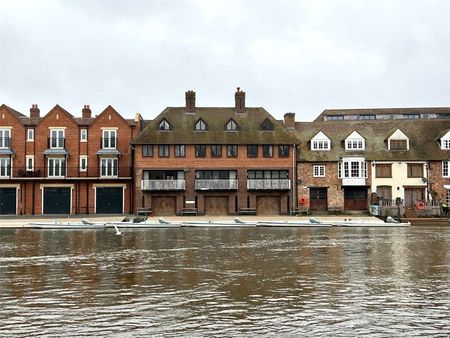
(437, 182)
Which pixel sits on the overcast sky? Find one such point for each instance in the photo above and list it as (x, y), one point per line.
(288, 56)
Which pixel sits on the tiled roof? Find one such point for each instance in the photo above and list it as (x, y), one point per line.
(423, 139)
(182, 128)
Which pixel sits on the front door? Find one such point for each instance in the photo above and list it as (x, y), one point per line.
(318, 198)
(414, 195)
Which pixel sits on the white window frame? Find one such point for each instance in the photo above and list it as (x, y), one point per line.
(83, 135)
(109, 167)
(56, 169)
(4, 134)
(5, 167)
(318, 171)
(30, 135)
(27, 167)
(107, 136)
(445, 169)
(348, 168)
(445, 143)
(58, 137)
(83, 158)
(355, 144)
(320, 145)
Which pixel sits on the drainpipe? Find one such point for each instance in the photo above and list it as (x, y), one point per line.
(427, 171)
(294, 178)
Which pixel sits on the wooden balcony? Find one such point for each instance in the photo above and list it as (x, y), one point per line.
(230, 184)
(163, 185)
(280, 184)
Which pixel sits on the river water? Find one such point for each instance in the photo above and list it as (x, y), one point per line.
(226, 282)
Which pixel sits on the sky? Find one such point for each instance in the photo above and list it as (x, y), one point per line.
(288, 56)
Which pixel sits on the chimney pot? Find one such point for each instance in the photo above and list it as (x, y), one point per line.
(190, 101)
(34, 110)
(86, 112)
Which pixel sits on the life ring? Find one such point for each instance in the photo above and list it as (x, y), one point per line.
(420, 205)
(303, 200)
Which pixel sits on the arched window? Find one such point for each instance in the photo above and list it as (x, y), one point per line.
(200, 125)
(231, 125)
(164, 125)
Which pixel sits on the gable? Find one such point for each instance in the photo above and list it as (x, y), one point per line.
(57, 116)
(109, 117)
(354, 135)
(446, 136)
(320, 136)
(398, 135)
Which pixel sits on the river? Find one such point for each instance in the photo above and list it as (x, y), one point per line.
(226, 282)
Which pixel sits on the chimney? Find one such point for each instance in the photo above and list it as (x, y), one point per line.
(239, 99)
(289, 121)
(34, 110)
(86, 112)
(190, 101)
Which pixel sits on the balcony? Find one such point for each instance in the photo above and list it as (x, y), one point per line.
(5, 142)
(163, 185)
(230, 184)
(277, 184)
(72, 172)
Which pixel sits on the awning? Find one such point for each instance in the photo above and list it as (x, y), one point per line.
(55, 152)
(110, 152)
(6, 152)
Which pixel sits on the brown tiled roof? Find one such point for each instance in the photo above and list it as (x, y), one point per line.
(183, 132)
(423, 139)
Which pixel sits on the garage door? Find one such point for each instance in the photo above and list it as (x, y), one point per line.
(355, 198)
(163, 206)
(56, 200)
(8, 201)
(268, 205)
(109, 200)
(215, 205)
(318, 199)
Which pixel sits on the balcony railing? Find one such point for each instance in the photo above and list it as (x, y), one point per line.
(56, 142)
(108, 143)
(70, 172)
(283, 184)
(230, 184)
(163, 185)
(5, 142)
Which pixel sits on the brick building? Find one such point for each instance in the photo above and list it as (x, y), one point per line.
(61, 164)
(216, 161)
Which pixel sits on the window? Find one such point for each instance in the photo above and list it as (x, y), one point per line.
(352, 169)
(29, 163)
(354, 144)
(83, 135)
(232, 150)
(445, 144)
(83, 163)
(267, 174)
(215, 175)
(5, 167)
(200, 150)
(5, 138)
(30, 134)
(164, 125)
(321, 144)
(109, 140)
(57, 138)
(319, 171)
(180, 150)
(384, 192)
(411, 116)
(252, 150)
(367, 117)
(266, 125)
(231, 125)
(163, 150)
(283, 150)
(267, 150)
(147, 150)
(56, 167)
(398, 145)
(383, 170)
(335, 117)
(200, 125)
(415, 170)
(109, 167)
(216, 150)
(445, 172)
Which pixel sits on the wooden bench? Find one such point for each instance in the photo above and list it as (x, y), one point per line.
(189, 212)
(144, 212)
(247, 211)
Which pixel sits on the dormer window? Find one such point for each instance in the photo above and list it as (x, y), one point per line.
(320, 142)
(266, 125)
(355, 142)
(164, 125)
(398, 141)
(200, 125)
(445, 141)
(231, 125)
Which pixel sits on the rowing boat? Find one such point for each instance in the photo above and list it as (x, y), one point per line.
(160, 223)
(84, 224)
(359, 223)
(312, 222)
(225, 223)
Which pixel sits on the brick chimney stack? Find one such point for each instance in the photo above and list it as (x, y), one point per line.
(86, 112)
(239, 99)
(34, 110)
(190, 101)
(289, 121)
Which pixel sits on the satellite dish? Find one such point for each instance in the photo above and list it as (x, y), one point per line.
(424, 180)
